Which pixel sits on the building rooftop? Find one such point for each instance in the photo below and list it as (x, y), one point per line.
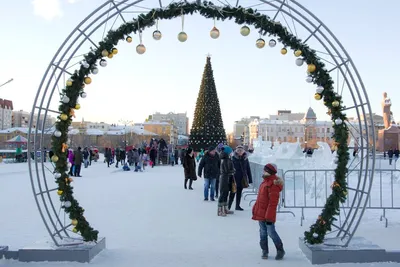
(310, 114)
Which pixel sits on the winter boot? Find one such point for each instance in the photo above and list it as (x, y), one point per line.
(280, 252)
(221, 212)
(227, 211)
(190, 184)
(264, 248)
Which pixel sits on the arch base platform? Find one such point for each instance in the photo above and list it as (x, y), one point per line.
(42, 252)
(359, 250)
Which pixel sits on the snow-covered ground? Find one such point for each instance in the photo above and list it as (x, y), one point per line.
(150, 220)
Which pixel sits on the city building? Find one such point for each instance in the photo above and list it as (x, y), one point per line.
(308, 131)
(356, 126)
(241, 129)
(165, 130)
(48, 122)
(287, 115)
(6, 108)
(98, 125)
(180, 120)
(20, 118)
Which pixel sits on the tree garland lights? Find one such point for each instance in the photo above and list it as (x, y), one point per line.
(106, 48)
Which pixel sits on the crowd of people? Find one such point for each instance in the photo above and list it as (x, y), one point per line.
(78, 157)
(226, 173)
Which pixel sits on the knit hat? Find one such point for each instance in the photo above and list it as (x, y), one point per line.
(239, 147)
(211, 148)
(270, 168)
(189, 150)
(227, 149)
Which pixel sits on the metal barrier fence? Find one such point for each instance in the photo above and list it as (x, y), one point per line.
(305, 189)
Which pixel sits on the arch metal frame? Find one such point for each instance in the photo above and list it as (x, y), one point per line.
(111, 9)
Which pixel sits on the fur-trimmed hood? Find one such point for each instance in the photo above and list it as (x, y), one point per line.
(244, 156)
(279, 181)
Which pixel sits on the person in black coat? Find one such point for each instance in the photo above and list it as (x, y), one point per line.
(189, 166)
(153, 156)
(390, 154)
(225, 181)
(182, 155)
(176, 156)
(242, 176)
(211, 164)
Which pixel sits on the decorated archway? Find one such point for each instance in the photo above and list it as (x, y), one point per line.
(71, 87)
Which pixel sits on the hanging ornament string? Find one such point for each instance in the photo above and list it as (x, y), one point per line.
(183, 20)
(140, 33)
(157, 24)
(215, 22)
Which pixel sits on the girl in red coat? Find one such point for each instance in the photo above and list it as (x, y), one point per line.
(264, 211)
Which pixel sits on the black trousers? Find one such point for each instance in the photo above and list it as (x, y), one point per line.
(238, 195)
(216, 187)
(77, 170)
(190, 183)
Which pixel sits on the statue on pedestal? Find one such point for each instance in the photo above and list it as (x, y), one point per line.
(386, 104)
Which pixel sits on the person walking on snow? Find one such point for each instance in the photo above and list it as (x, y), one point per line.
(211, 164)
(264, 210)
(78, 160)
(189, 166)
(225, 180)
(242, 175)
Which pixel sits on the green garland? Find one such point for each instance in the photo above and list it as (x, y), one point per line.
(266, 26)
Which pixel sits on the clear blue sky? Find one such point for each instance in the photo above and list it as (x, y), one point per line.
(249, 81)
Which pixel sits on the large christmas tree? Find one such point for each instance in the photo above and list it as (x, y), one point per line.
(207, 128)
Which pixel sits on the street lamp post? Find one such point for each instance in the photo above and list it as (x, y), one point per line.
(125, 122)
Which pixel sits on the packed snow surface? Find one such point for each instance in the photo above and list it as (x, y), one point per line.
(149, 220)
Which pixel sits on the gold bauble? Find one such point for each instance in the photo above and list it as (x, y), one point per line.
(114, 51)
(311, 68)
(60, 192)
(64, 117)
(182, 37)
(74, 222)
(245, 31)
(75, 230)
(54, 158)
(77, 106)
(104, 53)
(69, 83)
(335, 103)
(260, 43)
(283, 51)
(129, 39)
(70, 180)
(297, 53)
(140, 49)
(110, 55)
(214, 33)
(317, 96)
(88, 80)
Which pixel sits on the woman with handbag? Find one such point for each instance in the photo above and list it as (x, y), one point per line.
(189, 166)
(242, 176)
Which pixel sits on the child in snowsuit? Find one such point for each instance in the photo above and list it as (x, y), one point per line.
(264, 211)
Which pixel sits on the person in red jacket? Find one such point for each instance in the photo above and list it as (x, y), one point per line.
(264, 210)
